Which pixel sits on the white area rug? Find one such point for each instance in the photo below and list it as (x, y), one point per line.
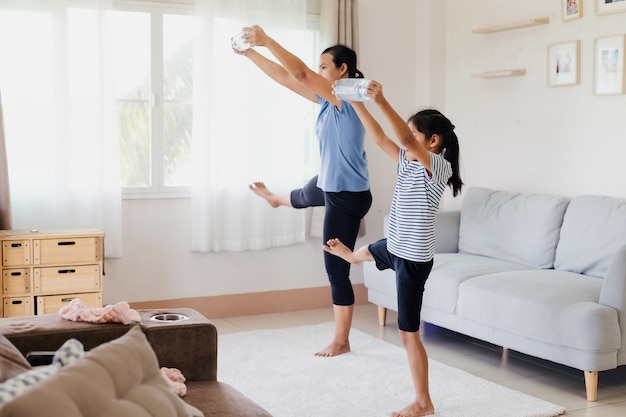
(277, 369)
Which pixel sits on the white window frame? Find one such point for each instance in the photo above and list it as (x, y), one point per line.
(157, 10)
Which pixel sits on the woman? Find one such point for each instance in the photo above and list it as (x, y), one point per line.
(342, 184)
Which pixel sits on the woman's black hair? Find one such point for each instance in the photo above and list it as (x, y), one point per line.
(430, 122)
(344, 55)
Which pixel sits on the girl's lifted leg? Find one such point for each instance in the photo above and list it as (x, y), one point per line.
(337, 248)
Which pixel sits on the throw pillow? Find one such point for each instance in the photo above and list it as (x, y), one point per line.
(12, 362)
(71, 351)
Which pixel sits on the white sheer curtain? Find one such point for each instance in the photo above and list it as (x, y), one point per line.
(63, 156)
(248, 128)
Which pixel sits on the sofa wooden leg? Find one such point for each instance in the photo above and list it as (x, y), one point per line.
(591, 385)
(382, 315)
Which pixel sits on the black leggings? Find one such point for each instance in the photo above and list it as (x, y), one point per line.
(342, 218)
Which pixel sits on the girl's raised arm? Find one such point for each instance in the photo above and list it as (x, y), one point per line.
(399, 126)
(376, 132)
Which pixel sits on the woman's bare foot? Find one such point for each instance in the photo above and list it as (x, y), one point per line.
(337, 248)
(261, 190)
(415, 410)
(334, 349)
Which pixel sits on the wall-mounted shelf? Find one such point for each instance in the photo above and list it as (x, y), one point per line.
(514, 25)
(500, 73)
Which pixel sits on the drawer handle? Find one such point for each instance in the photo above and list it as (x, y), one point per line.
(16, 245)
(66, 243)
(66, 300)
(66, 271)
(16, 274)
(15, 302)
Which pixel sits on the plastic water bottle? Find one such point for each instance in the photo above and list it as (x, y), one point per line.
(351, 89)
(239, 42)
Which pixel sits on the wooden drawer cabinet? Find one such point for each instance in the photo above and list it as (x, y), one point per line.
(44, 270)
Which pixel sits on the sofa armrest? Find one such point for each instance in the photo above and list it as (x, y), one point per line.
(189, 345)
(447, 231)
(613, 294)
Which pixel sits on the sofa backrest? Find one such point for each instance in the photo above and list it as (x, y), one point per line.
(594, 229)
(517, 227)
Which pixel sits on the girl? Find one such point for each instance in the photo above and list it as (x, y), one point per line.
(342, 185)
(428, 162)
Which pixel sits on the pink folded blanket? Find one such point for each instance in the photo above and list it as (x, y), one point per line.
(120, 312)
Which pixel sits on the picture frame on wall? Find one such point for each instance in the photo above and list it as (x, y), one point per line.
(608, 57)
(571, 9)
(563, 63)
(609, 6)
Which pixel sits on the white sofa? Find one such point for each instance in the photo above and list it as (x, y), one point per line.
(541, 274)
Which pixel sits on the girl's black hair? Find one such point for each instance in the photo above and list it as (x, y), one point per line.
(344, 55)
(430, 122)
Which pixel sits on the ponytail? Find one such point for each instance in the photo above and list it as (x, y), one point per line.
(451, 154)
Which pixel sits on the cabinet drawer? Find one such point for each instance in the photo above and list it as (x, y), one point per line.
(66, 279)
(18, 306)
(66, 251)
(50, 304)
(15, 281)
(15, 252)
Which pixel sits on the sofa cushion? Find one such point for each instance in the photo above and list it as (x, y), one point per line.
(534, 304)
(71, 351)
(119, 378)
(516, 227)
(594, 229)
(12, 362)
(452, 269)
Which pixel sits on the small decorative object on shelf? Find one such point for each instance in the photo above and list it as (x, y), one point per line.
(514, 25)
(500, 73)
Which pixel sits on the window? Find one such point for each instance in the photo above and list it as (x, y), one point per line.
(152, 58)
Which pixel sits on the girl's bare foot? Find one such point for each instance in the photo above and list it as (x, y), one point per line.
(334, 349)
(261, 190)
(337, 248)
(415, 410)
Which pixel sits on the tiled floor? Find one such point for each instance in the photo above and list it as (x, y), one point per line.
(546, 380)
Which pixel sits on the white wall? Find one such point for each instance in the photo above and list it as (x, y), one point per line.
(516, 134)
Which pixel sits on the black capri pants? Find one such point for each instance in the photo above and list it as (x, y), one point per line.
(411, 278)
(342, 219)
